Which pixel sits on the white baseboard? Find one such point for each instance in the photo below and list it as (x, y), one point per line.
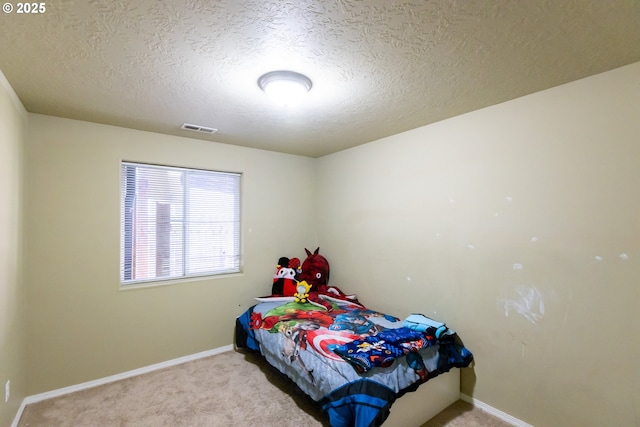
(495, 412)
(106, 380)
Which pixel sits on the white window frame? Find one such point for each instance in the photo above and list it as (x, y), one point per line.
(177, 223)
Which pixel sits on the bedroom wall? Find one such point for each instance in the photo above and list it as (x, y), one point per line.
(81, 325)
(13, 120)
(519, 226)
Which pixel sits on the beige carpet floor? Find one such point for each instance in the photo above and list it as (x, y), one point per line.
(463, 414)
(229, 389)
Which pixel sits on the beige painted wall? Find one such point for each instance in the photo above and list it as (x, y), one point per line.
(13, 120)
(81, 326)
(518, 225)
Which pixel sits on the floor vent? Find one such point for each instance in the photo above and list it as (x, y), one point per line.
(197, 128)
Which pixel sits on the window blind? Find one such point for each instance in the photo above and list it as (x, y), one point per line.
(178, 222)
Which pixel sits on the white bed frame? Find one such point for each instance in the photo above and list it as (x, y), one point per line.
(417, 407)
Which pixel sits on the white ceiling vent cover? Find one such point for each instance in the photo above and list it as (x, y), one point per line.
(198, 128)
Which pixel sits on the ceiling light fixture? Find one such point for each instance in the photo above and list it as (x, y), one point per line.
(286, 88)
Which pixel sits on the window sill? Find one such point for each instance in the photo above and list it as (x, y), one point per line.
(182, 280)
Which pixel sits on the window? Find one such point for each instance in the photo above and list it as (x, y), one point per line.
(177, 223)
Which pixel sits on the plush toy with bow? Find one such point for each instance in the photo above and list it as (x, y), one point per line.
(285, 281)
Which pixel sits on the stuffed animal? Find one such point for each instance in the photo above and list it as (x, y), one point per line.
(315, 271)
(302, 292)
(285, 280)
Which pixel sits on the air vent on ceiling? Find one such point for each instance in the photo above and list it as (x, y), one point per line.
(198, 128)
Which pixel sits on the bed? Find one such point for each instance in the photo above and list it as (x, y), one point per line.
(353, 361)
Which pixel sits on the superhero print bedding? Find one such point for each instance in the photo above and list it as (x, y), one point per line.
(354, 361)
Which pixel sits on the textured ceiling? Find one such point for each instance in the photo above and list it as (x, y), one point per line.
(378, 67)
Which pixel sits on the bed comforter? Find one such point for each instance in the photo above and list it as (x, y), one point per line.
(352, 360)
